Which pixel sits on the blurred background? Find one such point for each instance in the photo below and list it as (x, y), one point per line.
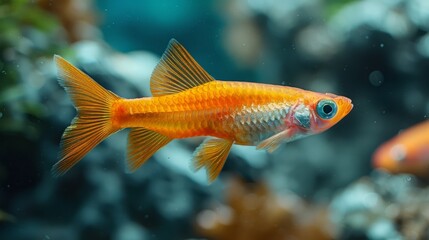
(375, 52)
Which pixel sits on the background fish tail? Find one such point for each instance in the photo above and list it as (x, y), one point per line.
(93, 121)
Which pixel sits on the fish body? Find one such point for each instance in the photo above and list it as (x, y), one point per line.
(188, 102)
(245, 113)
(407, 152)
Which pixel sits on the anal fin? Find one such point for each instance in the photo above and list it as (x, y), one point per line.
(142, 144)
(212, 154)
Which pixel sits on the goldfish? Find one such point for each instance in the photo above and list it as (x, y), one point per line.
(407, 152)
(188, 102)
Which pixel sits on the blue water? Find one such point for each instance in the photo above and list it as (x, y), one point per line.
(373, 52)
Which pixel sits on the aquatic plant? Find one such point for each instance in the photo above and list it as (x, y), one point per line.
(26, 39)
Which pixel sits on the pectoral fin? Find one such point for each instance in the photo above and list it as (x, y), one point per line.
(212, 154)
(142, 144)
(272, 143)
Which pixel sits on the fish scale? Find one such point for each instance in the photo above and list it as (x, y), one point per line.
(254, 116)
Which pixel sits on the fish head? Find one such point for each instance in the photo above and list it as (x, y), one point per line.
(400, 155)
(327, 110)
(391, 156)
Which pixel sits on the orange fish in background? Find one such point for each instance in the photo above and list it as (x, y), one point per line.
(188, 102)
(408, 152)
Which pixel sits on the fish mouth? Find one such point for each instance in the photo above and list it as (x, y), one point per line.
(349, 109)
(349, 105)
(381, 161)
(376, 159)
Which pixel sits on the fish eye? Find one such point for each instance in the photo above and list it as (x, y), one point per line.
(326, 109)
(398, 153)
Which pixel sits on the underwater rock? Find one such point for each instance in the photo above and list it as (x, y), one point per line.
(384, 16)
(382, 206)
(131, 231)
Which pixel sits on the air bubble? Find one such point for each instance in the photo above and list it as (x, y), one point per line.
(376, 78)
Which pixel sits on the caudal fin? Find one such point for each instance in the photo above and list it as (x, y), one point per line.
(93, 121)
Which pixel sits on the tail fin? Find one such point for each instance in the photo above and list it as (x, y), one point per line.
(92, 123)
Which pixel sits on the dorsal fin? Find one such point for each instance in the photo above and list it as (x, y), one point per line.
(177, 71)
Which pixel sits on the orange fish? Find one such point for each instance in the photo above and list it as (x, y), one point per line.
(188, 102)
(408, 152)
